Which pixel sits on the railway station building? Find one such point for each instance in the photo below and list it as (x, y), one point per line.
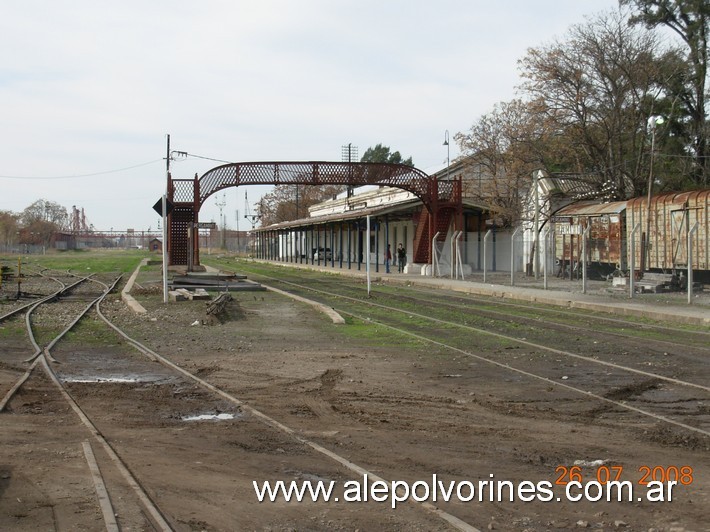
(336, 231)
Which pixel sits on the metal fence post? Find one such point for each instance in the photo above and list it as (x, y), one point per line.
(485, 253)
(632, 259)
(545, 234)
(585, 234)
(434, 256)
(454, 236)
(459, 259)
(367, 254)
(691, 232)
(512, 256)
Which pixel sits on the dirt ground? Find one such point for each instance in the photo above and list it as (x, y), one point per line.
(401, 410)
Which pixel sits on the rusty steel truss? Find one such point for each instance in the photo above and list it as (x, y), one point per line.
(442, 199)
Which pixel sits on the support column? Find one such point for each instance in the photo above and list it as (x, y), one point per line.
(313, 245)
(332, 246)
(358, 246)
(377, 245)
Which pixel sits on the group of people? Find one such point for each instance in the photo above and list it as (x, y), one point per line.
(401, 258)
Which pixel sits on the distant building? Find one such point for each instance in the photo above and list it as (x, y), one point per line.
(155, 245)
(336, 231)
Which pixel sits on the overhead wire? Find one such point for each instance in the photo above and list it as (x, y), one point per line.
(75, 176)
(207, 158)
(92, 174)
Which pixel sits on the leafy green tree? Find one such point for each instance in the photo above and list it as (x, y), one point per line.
(690, 20)
(382, 154)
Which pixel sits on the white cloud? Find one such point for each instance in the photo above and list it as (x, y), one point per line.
(89, 86)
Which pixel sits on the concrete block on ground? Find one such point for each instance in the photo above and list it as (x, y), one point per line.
(185, 293)
(200, 294)
(174, 295)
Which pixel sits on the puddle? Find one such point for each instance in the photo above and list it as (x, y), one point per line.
(118, 379)
(84, 380)
(586, 463)
(110, 367)
(209, 417)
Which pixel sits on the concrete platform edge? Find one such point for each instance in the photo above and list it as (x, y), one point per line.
(127, 298)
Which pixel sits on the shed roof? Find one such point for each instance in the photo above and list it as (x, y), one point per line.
(592, 208)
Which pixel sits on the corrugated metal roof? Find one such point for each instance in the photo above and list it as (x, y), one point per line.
(359, 213)
(591, 208)
(570, 183)
(679, 198)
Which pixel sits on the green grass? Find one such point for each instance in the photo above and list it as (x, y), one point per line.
(80, 261)
(12, 329)
(92, 332)
(376, 335)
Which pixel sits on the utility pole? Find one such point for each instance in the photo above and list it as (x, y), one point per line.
(164, 204)
(653, 121)
(253, 218)
(348, 153)
(236, 217)
(220, 205)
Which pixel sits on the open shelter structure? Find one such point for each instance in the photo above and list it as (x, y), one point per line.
(441, 199)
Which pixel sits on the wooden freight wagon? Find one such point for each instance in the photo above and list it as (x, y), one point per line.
(606, 244)
(672, 216)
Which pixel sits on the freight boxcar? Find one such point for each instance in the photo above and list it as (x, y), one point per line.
(672, 216)
(611, 227)
(606, 244)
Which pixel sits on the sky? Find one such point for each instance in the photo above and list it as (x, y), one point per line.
(90, 89)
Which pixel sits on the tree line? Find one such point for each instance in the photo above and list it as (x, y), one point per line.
(593, 103)
(584, 110)
(291, 202)
(35, 225)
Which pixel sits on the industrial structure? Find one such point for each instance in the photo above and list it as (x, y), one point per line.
(445, 228)
(441, 200)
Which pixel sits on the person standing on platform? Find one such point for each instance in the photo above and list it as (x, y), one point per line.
(388, 259)
(401, 258)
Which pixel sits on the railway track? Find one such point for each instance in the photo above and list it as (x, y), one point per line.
(129, 462)
(78, 392)
(77, 301)
(617, 368)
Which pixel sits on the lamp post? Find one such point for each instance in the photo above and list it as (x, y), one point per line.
(653, 121)
(448, 158)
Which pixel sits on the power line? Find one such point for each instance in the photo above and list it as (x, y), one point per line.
(82, 175)
(207, 158)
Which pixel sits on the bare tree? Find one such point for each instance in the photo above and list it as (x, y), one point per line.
(501, 150)
(9, 228)
(41, 220)
(599, 86)
(291, 202)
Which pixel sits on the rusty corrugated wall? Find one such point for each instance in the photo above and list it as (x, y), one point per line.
(672, 215)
